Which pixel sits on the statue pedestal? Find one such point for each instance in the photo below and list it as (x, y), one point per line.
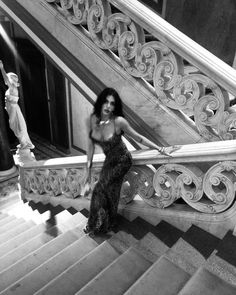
(23, 156)
(7, 174)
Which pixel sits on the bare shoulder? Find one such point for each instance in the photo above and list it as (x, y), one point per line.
(120, 121)
(121, 124)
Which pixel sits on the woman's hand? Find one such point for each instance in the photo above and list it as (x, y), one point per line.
(168, 150)
(86, 190)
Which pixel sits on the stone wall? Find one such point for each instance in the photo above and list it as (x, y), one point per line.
(212, 24)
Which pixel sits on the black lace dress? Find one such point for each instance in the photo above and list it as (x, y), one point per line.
(106, 193)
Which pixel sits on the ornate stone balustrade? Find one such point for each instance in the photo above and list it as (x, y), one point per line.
(203, 175)
(185, 76)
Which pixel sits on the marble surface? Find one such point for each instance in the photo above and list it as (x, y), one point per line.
(8, 187)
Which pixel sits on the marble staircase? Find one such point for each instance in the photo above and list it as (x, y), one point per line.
(43, 250)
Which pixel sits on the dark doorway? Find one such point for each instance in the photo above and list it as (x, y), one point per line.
(33, 85)
(43, 87)
(57, 107)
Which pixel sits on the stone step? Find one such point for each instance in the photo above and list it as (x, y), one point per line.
(12, 202)
(207, 283)
(30, 262)
(121, 241)
(23, 250)
(181, 253)
(118, 276)
(16, 231)
(3, 216)
(30, 210)
(23, 210)
(85, 269)
(8, 218)
(62, 225)
(9, 198)
(154, 245)
(139, 227)
(221, 268)
(74, 221)
(11, 225)
(185, 256)
(18, 240)
(184, 252)
(37, 278)
(164, 276)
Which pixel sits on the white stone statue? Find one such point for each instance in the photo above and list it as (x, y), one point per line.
(16, 119)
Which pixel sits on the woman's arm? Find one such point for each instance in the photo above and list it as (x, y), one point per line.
(90, 150)
(5, 78)
(125, 126)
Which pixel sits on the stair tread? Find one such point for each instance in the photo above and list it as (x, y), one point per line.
(12, 196)
(3, 216)
(11, 225)
(61, 225)
(207, 283)
(149, 246)
(11, 204)
(18, 240)
(31, 245)
(221, 268)
(163, 275)
(51, 268)
(23, 210)
(188, 252)
(36, 258)
(7, 219)
(85, 269)
(154, 244)
(16, 231)
(119, 275)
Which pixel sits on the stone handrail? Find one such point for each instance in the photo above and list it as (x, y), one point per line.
(203, 175)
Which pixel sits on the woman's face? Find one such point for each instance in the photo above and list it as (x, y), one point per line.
(108, 106)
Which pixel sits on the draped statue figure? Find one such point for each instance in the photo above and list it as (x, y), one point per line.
(16, 118)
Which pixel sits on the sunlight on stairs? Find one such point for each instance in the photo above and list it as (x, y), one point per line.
(43, 250)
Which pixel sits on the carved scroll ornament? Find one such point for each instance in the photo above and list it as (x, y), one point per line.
(210, 191)
(69, 182)
(177, 87)
(219, 186)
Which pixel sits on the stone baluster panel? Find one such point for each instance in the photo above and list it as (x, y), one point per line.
(210, 191)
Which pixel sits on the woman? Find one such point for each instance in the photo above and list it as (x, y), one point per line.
(105, 126)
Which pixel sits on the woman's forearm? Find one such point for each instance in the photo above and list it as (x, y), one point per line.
(89, 164)
(143, 140)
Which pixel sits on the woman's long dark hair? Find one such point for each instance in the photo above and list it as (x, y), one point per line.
(101, 99)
